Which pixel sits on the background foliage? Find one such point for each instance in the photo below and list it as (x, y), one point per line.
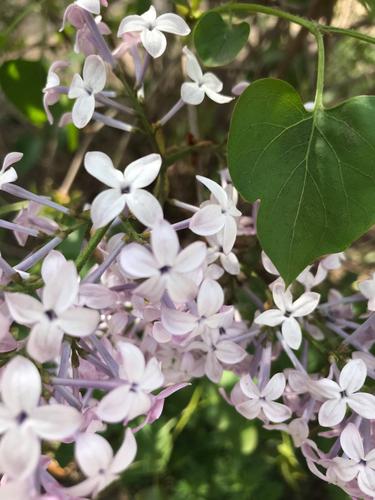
(201, 448)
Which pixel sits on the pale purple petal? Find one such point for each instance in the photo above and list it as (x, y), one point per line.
(191, 93)
(249, 388)
(83, 110)
(210, 298)
(133, 362)
(214, 370)
(93, 453)
(51, 266)
(115, 405)
(292, 333)
(164, 243)
(229, 352)
(207, 221)
(19, 453)
(60, 298)
(229, 233)
(366, 481)
(351, 443)
(180, 287)
(44, 342)
(152, 378)
(276, 412)
(152, 289)
(177, 322)
(77, 87)
(94, 73)
(363, 404)
(249, 409)
(10, 159)
(191, 257)
(272, 317)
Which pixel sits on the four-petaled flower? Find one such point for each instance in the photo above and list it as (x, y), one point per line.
(151, 27)
(203, 83)
(24, 423)
(55, 314)
(217, 216)
(358, 464)
(344, 393)
(126, 189)
(287, 313)
(166, 267)
(95, 458)
(262, 402)
(138, 379)
(84, 89)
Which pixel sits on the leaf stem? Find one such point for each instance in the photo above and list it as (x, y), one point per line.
(91, 246)
(320, 70)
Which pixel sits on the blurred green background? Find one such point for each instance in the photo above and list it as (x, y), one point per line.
(200, 448)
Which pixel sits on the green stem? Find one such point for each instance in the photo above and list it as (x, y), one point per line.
(320, 70)
(91, 246)
(346, 32)
(13, 207)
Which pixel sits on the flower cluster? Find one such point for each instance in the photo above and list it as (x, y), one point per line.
(106, 340)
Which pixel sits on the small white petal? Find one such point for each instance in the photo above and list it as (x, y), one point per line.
(229, 233)
(229, 352)
(332, 412)
(366, 481)
(126, 453)
(60, 298)
(152, 289)
(154, 42)
(164, 243)
(363, 404)
(10, 159)
(353, 375)
(191, 258)
(210, 298)
(21, 386)
(216, 190)
(92, 6)
(213, 368)
(171, 23)
(177, 322)
(83, 110)
(137, 261)
(216, 97)
(132, 23)
(24, 309)
(142, 172)
(351, 443)
(249, 409)
(115, 406)
(54, 422)
(193, 68)
(291, 331)
(94, 73)
(77, 87)
(152, 378)
(79, 321)
(207, 221)
(275, 387)
(93, 453)
(100, 166)
(44, 342)
(276, 412)
(133, 362)
(180, 287)
(19, 453)
(51, 267)
(282, 298)
(191, 93)
(145, 207)
(305, 304)
(272, 317)
(249, 388)
(212, 82)
(106, 207)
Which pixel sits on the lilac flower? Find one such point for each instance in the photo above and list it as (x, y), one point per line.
(7, 172)
(218, 216)
(166, 267)
(357, 463)
(84, 90)
(24, 423)
(345, 393)
(28, 217)
(203, 84)
(138, 379)
(52, 90)
(262, 402)
(151, 28)
(126, 189)
(101, 467)
(287, 313)
(55, 314)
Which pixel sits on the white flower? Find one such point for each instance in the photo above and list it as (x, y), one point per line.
(209, 316)
(203, 83)
(287, 312)
(56, 314)
(95, 458)
(84, 90)
(9, 174)
(167, 268)
(262, 402)
(339, 395)
(358, 464)
(132, 398)
(367, 289)
(218, 216)
(151, 27)
(126, 189)
(23, 423)
(228, 261)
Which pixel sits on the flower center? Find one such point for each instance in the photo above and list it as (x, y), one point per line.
(164, 269)
(51, 315)
(125, 190)
(134, 387)
(21, 417)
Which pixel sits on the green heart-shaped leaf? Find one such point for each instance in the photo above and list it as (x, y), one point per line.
(313, 172)
(218, 42)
